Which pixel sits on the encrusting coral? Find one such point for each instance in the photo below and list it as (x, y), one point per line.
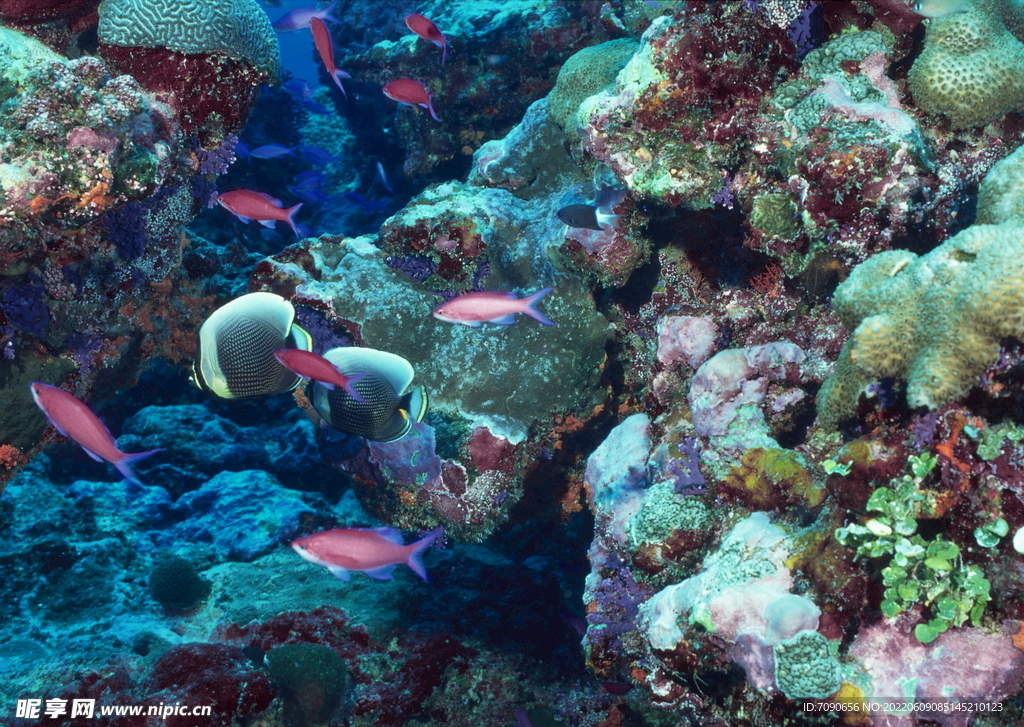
(935, 321)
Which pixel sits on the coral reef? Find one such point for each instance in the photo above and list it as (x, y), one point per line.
(766, 467)
(969, 70)
(935, 321)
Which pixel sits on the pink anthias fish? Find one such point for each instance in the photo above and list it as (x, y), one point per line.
(247, 205)
(374, 551)
(473, 309)
(412, 93)
(424, 27)
(76, 421)
(300, 18)
(314, 367)
(325, 47)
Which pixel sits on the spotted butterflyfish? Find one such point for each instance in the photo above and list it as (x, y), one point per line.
(374, 551)
(235, 357)
(424, 27)
(390, 405)
(597, 216)
(474, 309)
(314, 367)
(75, 420)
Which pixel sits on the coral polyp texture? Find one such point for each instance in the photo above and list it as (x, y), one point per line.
(937, 320)
(970, 70)
(236, 28)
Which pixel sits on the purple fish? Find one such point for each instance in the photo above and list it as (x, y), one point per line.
(383, 178)
(521, 719)
(315, 196)
(371, 206)
(302, 92)
(315, 155)
(299, 18)
(308, 181)
(271, 151)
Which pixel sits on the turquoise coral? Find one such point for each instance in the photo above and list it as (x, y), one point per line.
(237, 28)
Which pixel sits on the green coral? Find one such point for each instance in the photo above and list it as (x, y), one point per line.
(831, 56)
(237, 28)
(929, 573)
(824, 64)
(805, 667)
(935, 321)
(970, 70)
(775, 215)
(174, 583)
(585, 73)
(766, 478)
(663, 512)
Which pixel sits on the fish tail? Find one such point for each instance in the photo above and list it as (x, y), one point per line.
(444, 51)
(350, 386)
(124, 465)
(531, 306)
(430, 107)
(337, 74)
(291, 211)
(329, 15)
(416, 550)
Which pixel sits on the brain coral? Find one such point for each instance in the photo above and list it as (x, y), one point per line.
(935, 320)
(972, 67)
(237, 28)
(586, 73)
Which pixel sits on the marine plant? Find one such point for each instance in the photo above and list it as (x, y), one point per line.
(927, 573)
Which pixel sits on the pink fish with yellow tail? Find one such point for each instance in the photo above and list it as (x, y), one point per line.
(76, 421)
(411, 93)
(424, 27)
(314, 367)
(247, 205)
(325, 47)
(374, 551)
(473, 309)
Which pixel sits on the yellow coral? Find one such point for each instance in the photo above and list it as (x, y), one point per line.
(972, 67)
(935, 320)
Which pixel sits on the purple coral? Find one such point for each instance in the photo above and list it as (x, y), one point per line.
(688, 479)
(802, 31)
(126, 227)
(417, 267)
(217, 160)
(325, 336)
(24, 308)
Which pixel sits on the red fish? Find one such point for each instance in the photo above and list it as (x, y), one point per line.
(425, 28)
(413, 93)
(324, 46)
(247, 205)
(374, 551)
(472, 309)
(312, 366)
(76, 421)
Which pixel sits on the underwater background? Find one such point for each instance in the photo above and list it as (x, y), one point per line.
(671, 350)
